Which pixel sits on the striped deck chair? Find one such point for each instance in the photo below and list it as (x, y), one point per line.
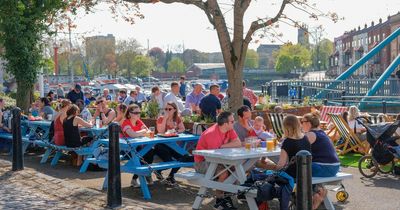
(351, 140)
(276, 120)
(325, 110)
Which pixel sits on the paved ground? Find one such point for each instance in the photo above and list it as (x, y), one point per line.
(41, 186)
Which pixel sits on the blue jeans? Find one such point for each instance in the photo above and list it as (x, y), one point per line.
(319, 170)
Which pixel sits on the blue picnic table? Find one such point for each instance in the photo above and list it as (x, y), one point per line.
(87, 151)
(134, 164)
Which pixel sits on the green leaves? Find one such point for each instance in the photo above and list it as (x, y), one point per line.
(251, 59)
(176, 65)
(291, 57)
(142, 65)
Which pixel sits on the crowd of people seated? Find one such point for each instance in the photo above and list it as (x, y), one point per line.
(299, 134)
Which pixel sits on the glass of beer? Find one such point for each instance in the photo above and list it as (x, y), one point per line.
(152, 132)
(247, 144)
(275, 140)
(270, 145)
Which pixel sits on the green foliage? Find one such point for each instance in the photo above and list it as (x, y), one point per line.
(142, 65)
(306, 101)
(152, 109)
(176, 65)
(251, 59)
(8, 101)
(291, 57)
(22, 24)
(321, 52)
(126, 50)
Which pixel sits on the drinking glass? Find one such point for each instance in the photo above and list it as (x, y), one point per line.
(152, 131)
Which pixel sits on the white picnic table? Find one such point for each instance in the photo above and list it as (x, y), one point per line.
(234, 160)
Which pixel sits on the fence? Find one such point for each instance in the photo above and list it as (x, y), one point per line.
(355, 87)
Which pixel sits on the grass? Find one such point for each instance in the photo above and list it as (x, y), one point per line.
(349, 159)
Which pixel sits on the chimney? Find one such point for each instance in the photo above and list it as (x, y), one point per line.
(388, 17)
(380, 20)
(372, 23)
(365, 26)
(359, 27)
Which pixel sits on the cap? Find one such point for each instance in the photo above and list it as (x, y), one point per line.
(78, 86)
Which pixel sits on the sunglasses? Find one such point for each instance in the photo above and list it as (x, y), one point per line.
(99, 102)
(169, 109)
(132, 112)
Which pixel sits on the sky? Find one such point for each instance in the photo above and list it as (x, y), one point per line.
(169, 25)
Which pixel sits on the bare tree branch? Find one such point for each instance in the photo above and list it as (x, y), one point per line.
(198, 3)
(255, 25)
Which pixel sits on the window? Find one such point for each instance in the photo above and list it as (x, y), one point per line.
(369, 40)
(383, 35)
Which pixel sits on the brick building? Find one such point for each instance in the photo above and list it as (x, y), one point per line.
(354, 44)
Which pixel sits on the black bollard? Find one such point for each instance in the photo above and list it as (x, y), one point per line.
(263, 89)
(276, 100)
(325, 102)
(303, 180)
(114, 198)
(17, 156)
(384, 107)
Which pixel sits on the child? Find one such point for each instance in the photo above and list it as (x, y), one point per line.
(259, 129)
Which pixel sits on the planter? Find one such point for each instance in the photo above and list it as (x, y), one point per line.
(149, 122)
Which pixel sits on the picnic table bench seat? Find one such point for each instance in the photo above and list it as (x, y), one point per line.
(197, 178)
(60, 150)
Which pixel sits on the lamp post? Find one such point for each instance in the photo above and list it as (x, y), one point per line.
(319, 65)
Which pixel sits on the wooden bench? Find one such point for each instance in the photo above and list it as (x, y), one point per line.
(196, 178)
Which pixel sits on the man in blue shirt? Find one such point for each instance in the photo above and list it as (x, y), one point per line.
(210, 105)
(182, 87)
(193, 99)
(141, 97)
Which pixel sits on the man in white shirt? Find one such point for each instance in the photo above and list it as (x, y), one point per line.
(173, 97)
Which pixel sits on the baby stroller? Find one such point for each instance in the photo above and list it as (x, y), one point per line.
(384, 148)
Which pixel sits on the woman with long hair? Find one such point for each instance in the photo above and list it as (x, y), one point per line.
(169, 121)
(325, 161)
(121, 111)
(134, 127)
(293, 142)
(71, 128)
(358, 129)
(58, 122)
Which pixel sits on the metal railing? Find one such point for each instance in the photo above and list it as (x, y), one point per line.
(354, 87)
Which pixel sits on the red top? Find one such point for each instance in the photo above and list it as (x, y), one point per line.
(169, 126)
(58, 132)
(128, 124)
(213, 138)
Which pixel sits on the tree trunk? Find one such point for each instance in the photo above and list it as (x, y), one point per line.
(235, 77)
(24, 95)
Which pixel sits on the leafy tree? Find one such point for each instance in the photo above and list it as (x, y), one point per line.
(126, 50)
(234, 40)
(291, 57)
(251, 59)
(284, 64)
(321, 53)
(168, 57)
(142, 65)
(22, 24)
(176, 65)
(158, 56)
